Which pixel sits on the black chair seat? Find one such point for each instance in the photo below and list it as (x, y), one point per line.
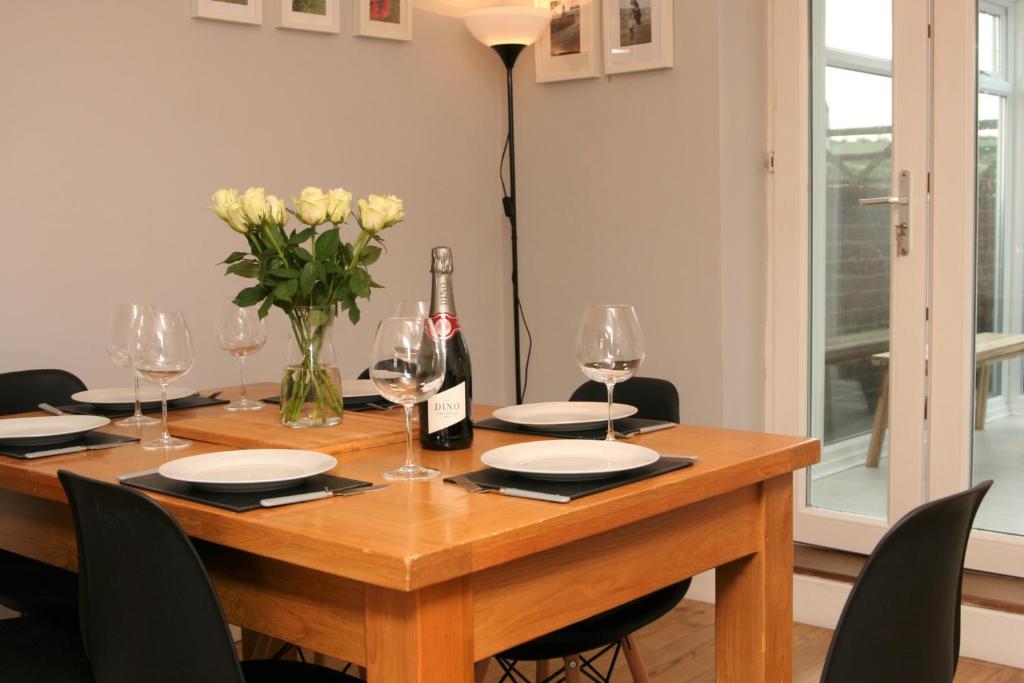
(34, 649)
(33, 587)
(655, 399)
(602, 629)
(279, 671)
(22, 390)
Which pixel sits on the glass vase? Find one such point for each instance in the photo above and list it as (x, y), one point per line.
(311, 385)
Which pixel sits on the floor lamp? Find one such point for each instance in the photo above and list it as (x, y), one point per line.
(508, 30)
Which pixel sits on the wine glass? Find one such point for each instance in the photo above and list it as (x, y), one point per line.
(411, 308)
(240, 332)
(609, 348)
(407, 367)
(162, 353)
(123, 329)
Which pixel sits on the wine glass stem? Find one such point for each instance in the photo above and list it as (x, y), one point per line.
(611, 431)
(138, 403)
(242, 364)
(163, 410)
(409, 464)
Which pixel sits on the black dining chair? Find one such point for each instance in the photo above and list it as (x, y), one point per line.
(38, 648)
(611, 631)
(28, 586)
(901, 622)
(148, 610)
(654, 399)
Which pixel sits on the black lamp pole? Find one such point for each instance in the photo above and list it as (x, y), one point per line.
(508, 54)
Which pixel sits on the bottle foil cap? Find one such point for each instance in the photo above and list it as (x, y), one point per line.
(442, 260)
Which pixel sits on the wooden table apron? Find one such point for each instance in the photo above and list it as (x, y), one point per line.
(418, 581)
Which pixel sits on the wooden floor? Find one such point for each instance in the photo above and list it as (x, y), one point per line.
(679, 648)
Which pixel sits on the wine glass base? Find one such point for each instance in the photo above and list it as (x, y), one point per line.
(245, 404)
(411, 473)
(138, 421)
(170, 443)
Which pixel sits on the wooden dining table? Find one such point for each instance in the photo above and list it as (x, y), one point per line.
(418, 581)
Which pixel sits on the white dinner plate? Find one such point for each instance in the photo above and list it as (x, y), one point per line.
(30, 431)
(256, 469)
(358, 388)
(126, 396)
(563, 416)
(573, 459)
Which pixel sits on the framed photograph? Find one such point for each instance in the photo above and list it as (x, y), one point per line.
(637, 35)
(238, 11)
(383, 18)
(571, 47)
(310, 15)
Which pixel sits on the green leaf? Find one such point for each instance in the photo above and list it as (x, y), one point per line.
(303, 254)
(327, 244)
(289, 273)
(317, 317)
(376, 285)
(265, 306)
(321, 271)
(301, 236)
(286, 290)
(243, 269)
(370, 255)
(359, 283)
(353, 314)
(235, 256)
(331, 267)
(307, 278)
(250, 296)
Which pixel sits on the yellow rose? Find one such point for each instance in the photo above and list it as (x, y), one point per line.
(311, 206)
(236, 217)
(254, 203)
(339, 205)
(370, 216)
(382, 211)
(276, 212)
(221, 199)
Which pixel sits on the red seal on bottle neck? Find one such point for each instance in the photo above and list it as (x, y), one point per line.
(446, 324)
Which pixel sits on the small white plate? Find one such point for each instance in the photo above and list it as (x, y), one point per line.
(30, 431)
(570, 459)
(256, 469)
(126, 397)
(563, 416)
(358, 388)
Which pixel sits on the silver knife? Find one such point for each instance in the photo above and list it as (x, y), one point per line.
(534, 495)
(651, 428)
(684, 458)
(140, 473)
(318, 495)
(76, 449)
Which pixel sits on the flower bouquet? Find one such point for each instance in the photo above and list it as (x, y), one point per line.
(308, 273)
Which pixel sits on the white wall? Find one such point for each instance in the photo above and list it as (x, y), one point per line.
(647, 188)
(121, 118)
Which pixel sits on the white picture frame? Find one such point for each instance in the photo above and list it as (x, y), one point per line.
(237, 11)
(287, 16)
(637, 35)
(570, 47)
(367, 20)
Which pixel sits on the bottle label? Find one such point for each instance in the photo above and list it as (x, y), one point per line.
(447, 325)
(446, 408)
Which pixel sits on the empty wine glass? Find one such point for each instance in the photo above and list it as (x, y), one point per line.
(162, 353)
(609, 348)
(411, 308)
(407, 367)
(241, 332)
(124, 327)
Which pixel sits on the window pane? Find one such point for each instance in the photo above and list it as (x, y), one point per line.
(988, 58)
(861, 26)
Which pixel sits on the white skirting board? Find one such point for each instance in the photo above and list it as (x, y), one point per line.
(986, 634)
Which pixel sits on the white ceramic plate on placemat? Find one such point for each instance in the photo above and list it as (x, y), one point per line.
(358, 388)
(30, 431)
(254, 469)
(563, 415)
(126, 396)
(569, 459)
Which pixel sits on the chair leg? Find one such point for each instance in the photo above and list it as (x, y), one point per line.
(636, 664)
(572, 670)
(543, 670)
(480, 670)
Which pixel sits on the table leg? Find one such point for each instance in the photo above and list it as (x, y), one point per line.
(981, 397)
(423, 636)
(881, 423)
(754, 599)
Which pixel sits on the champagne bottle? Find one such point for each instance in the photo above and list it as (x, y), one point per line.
(446, 418)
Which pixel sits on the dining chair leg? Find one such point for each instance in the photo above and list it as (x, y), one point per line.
(572, 670)
(543, 670)
(636, 664)
(480, 670)
(362, 673)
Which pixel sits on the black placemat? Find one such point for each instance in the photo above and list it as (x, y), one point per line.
(356, 405)
(88, 439)
(492, 478)
(178, 404)
(236, 502)
(625, 426)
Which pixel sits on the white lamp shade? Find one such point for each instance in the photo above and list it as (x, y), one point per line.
(510, 25)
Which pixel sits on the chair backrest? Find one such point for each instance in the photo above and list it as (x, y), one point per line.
(901, 623)
(23, 390)
(147, 609)
(655, 399)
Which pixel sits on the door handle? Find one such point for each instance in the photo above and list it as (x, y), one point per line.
(902, 204)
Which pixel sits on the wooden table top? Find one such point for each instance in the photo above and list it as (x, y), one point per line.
(417, 534)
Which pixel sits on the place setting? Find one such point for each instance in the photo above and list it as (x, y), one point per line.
(29, 438)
